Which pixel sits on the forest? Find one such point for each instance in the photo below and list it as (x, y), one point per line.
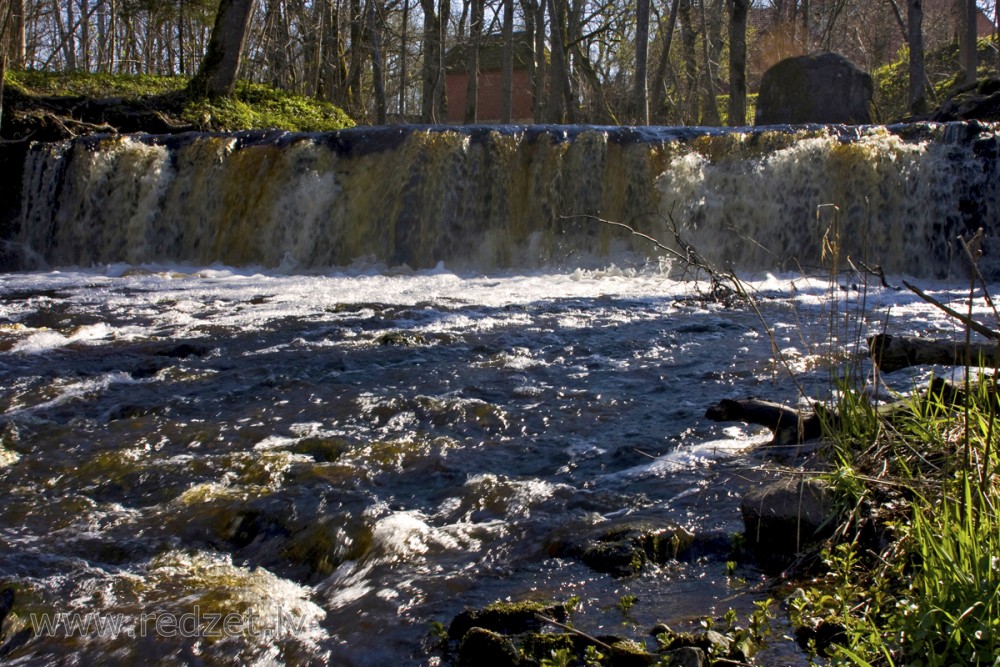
(670, 62)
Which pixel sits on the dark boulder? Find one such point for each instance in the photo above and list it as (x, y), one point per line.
(822, 88)
(485, 648)
(787, 516)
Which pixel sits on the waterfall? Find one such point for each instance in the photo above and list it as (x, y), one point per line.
(491, 198)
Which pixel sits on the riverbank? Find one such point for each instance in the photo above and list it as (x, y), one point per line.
(52, 106)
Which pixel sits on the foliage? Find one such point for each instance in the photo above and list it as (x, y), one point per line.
(255, 106)
(84, 84)
(930, 595)
(891, 96)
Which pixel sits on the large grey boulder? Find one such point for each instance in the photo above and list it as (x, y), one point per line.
(822, 88)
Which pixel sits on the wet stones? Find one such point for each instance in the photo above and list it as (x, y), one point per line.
(513, 634)
(624, 549)
(484, 648)
(19, 638)
(508, 618)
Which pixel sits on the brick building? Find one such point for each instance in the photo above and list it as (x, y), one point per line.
(490, 93)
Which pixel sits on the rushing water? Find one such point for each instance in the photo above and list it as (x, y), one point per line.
(211, 464)
(344, 459)
(486, 198)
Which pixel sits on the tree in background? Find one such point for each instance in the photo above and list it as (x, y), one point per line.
(739, 11)
(915, 37)
(221, 64)
(589, 61)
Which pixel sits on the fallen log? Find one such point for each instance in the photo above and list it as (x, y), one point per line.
(891, 353)
(791, 426)
(788, 425)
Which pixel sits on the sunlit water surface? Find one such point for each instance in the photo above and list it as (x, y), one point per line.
(344, 459)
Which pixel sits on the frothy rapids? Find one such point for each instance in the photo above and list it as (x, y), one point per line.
(312, 394)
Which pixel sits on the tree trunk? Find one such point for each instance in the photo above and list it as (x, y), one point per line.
(15, 48)
(711, 115)
(508, 62)
(967, 38)
(539, 92)
(472, 62)
(357, 56)
(378, 69)
(915, 37)
(660, 79)
(221, 64)
(690, 41)
(640, 95)
(433, 103)
(403, 45)
(738, 63)
(559, 71)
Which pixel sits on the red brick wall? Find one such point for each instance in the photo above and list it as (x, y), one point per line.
(490, 96)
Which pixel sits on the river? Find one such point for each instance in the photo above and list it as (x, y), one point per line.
(292, 400)
(337, 461)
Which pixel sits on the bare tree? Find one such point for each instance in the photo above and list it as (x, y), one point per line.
(915, 37)
(508, 62)
(739, 9)
(967, 12)
(221, 64)
(640, 94)
(472, 61)
(660, 79)
(378, 66)
(559, 71)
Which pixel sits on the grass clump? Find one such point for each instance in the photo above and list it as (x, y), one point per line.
(914, 578)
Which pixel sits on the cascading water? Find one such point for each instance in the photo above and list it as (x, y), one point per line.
(495, 198)
(241, 432)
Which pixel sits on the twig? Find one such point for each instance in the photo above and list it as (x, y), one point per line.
(879, 273)
(974, 262)
(572, 630)
(972, 324)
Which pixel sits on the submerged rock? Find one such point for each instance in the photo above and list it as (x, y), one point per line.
(626, 548)
(787, 516)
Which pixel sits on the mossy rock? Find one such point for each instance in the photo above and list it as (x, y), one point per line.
(626, 548)
(538, 646)
(484, 648)
(509, 618)
(630, 653)
(402, 339)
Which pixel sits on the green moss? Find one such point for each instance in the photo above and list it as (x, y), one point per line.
(82, 84)
(254, 106)
(507, 617)
(943, 70)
